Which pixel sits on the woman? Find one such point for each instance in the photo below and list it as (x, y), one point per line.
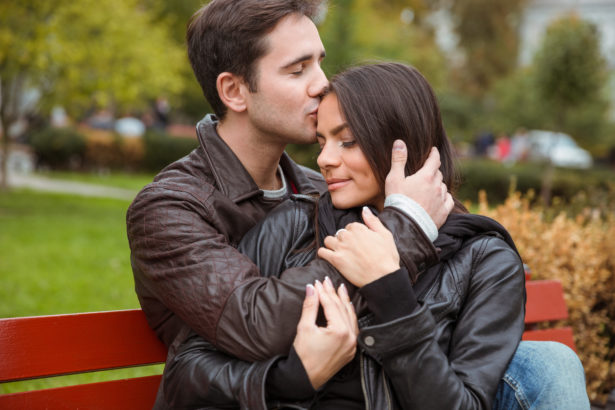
(441, 339)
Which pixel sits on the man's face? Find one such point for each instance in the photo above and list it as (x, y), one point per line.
(289, 83)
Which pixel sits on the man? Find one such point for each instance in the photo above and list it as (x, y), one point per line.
(258, 63)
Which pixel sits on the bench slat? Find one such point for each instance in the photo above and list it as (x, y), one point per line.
(545, 301)
(562, 335)
(63, 344)
(128, 394)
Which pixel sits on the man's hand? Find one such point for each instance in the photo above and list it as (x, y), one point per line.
(325, 350)
(424, 187)
(362, 253)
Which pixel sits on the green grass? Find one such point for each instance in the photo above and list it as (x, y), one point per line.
(113, 179)
(64, 254)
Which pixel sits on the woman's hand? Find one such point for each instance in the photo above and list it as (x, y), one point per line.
(325, 350)
(362, 253)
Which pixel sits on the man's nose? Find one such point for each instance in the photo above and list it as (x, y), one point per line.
(318, 84)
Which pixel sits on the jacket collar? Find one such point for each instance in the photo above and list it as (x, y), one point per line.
(229, 173)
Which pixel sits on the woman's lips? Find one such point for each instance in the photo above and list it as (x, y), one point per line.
(334, 184)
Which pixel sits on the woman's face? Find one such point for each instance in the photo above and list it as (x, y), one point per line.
(349, 177)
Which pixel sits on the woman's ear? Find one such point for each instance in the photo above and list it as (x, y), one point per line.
(232, 90)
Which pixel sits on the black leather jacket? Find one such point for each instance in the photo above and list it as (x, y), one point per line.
(450, 353)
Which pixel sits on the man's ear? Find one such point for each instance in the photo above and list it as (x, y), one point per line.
(232, 91)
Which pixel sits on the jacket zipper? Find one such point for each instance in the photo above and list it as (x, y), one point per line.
(362, 366)
(387, 392)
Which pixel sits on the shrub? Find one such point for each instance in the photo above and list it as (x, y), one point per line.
(578, 251)
(107, 150)
(59, 147)
(498, 180)
(162, 149)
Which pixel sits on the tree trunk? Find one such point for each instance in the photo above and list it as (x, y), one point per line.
(4, 158)
(547, 184)
(4, 155)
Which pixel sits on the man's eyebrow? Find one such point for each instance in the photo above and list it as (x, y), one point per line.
(305, 57)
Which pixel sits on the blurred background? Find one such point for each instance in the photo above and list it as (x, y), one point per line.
(98, 96)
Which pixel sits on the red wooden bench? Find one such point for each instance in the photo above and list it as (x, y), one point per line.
(35, 347)
(545, 303)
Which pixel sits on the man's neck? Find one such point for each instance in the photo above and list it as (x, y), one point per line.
(259, 157)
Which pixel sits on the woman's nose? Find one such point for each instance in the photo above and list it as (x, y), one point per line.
(328, 157)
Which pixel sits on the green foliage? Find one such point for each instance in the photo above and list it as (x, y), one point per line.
(571, 186)
(59, 147)
(71, 53)
(356, 31)
(570, 72)
(162, 149)
(487, 33)
(82, 53)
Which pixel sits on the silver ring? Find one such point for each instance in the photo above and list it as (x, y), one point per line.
(340, 230)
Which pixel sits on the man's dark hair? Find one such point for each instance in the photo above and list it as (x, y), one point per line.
(388, 101)
(229, 36)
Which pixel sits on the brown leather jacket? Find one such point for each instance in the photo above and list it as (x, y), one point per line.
(183, 230)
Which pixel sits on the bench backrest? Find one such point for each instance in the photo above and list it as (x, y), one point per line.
(34, 347)
(545, 303)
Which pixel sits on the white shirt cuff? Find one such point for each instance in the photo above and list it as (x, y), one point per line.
(414, 211)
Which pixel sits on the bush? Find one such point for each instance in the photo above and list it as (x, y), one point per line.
(498, 180)
(162, 149)
(106, 150)
(580, 252)
(59, 147)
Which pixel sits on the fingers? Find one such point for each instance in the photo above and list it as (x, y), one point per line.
(310, 307)
(331, 304)
(372, 221)
(351, 314)
(399, 157)
(432, 163)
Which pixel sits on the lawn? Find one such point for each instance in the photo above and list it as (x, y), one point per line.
(113, 179)
(63, 254)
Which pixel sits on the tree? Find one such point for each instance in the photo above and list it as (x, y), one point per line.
(487, 33)
(81, 53)
(570, 74)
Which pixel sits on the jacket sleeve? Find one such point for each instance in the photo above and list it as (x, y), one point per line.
(487, 332)
(184, 266)
(199, 375)
(260, 316)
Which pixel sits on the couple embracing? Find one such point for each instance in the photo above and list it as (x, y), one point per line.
(370, 286)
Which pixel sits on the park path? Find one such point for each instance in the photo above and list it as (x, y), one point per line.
(39, 183)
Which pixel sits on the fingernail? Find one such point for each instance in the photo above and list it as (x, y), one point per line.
(309, 290)
(328, 281)
(344, 290)
(398, 145)
(366, 210)
(318, 284)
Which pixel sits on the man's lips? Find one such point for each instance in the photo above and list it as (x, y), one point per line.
(314, 112)
(336, 183)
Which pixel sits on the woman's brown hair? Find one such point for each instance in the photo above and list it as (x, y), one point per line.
(388, 101)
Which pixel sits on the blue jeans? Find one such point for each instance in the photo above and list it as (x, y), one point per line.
(543, 375)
